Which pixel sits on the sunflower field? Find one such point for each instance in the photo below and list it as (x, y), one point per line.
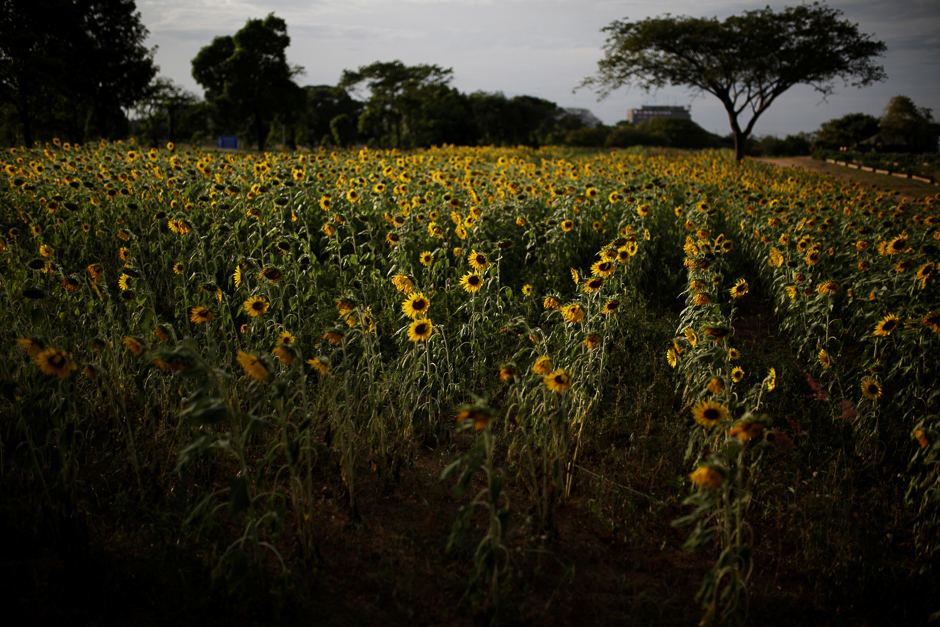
(245, 369)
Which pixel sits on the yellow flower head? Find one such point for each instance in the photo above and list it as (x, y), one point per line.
(253, 366)
(558, 381)
(543, 365)
(55, 363)
(255, 306)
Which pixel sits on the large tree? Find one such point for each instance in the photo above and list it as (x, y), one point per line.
(747, 61)
(396, 95)
(64, 63)
(846, 131)
(904, 122)
(247, 78)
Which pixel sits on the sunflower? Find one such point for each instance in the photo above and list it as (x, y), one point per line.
(715, 385)
(572, 313)
(567, 225)
(593, 285)
(255, 306)
(824, 360)
(134, 345)
(427, 258)
(771, 380)
(829, 287)
(744, 431)
(391, 239)
(478, 261)
(520, 221)
(592, 340)
(924, 273)
(707, 477)
(46, 251)
(403, 283)
(507, 373)
(610, 307)
(328, 229)
(691, 336)
(420, 330)
(543, 365)
(921, 438)
(575, 276)
(558, 381)
(178, 268)
(739, 289)
(478, 416)
(320, 364)
(124, 282)
(737, 374)
(352, 195)
(253, 366)
(32, 346)
(896, 246)
(733, 353)
(717, 333)
(471, 282)
(527, 289)
(124, 254)
(887, 326)
(201, 315)
(238, 276)
(284, 353)
(702, 299)
(932, 322)
(672, 358)
(416, 305)
(53, 362)
(871, 389)
(551, 302)
(272, 274)
(71, 284)
(333, 337)
(709, 413)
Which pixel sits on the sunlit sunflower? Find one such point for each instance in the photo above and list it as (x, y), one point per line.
(737, 374)
(567, 225)
(573, 313)
(124, 282)
(124, 254)
(53, 362)
(543, 365)
(326, 203)
(871, 389)
(253, 366)
(691, 336)
(471, 282)
(707, 477)
(887, 326)
(551, 302)
(709, 413)
(392, 239)
(672, 358)
(558, 381)
(739, 289)
(701, 299)
(527, 289)
(427, 258)
(420, 330)
(403, 283)
(320, 364)
(134, 345)
(46, 251)
(478, 261)
(201, 315)
(610, 307)
(238, 276)
(771, 380)
(255, 306)
(416, 305)
(733, 353)
(593, 285)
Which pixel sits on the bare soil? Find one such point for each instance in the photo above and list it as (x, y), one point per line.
(886, 183)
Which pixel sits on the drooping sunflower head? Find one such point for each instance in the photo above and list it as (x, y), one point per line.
(32, 346)
(896, 246)
(824, 360)
(320, 364)
(478, 416)
(272, 274)
(416, 305)
(201, 315)
(551, 302)
(573, 313)
(739, 289)
(932, 322)
(558, 381)
(253, 366)
(507, 373)
(593, 285)
(134, 345)
(592, 340)
(707, 477)
(543, 365)
(610, 307)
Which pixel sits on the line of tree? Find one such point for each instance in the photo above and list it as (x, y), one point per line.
(903, 127)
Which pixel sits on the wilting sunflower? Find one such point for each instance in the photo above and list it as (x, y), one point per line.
(715, 385)
(420, 330)
(739, 289)
(134, 345)
(925, 272)
(272, 274)
(744, 431)
(333, 337)
(887, 326)
(427, 258)
(610, 307)
(573, 313)
(543, 365)
(507, 373)
(71, 284)
(53, 362)
(592, 340)
(238, 276)
(717, 333)
(329, 230)
(707, 477)
(701, 299)
(320, 364)
(771, 380)
(253, 366)
(551, 302)
(829, 287)
(932, 322)
(403, 283)
(255, 306)
(478, 416)
(416, 305)
(201, 315)
(558, 381)
(672, 357)
(32, 346)
(471, 282)
(124, 282)
(871, 389)
(691, 337)
(709, 413)
(478, 261)
(824, 360)
(593, 285)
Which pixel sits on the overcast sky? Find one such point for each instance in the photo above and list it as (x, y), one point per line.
(541, 48)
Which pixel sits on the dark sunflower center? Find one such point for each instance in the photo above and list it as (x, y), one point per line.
(890, 325)
(258, 306)
(420, 305)
(421, 329)
(712, 414)
(474, 280)
(56, 361)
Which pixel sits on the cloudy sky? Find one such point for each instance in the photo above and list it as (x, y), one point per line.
(541, 48)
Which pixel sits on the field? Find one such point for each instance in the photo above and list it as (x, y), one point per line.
(464, 385)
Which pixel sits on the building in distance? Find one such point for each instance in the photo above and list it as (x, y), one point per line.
(647, 112)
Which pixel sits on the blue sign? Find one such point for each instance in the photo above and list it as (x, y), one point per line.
(227, 141)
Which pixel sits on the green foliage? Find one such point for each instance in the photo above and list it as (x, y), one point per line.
(746, 61)
(905, 123)
(846, 131)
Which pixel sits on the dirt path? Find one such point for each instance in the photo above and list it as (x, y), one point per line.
(882, 182)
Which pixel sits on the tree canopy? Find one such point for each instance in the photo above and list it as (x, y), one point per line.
(904, 122)
(73, 66)
(247, 78)
(747, 61)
